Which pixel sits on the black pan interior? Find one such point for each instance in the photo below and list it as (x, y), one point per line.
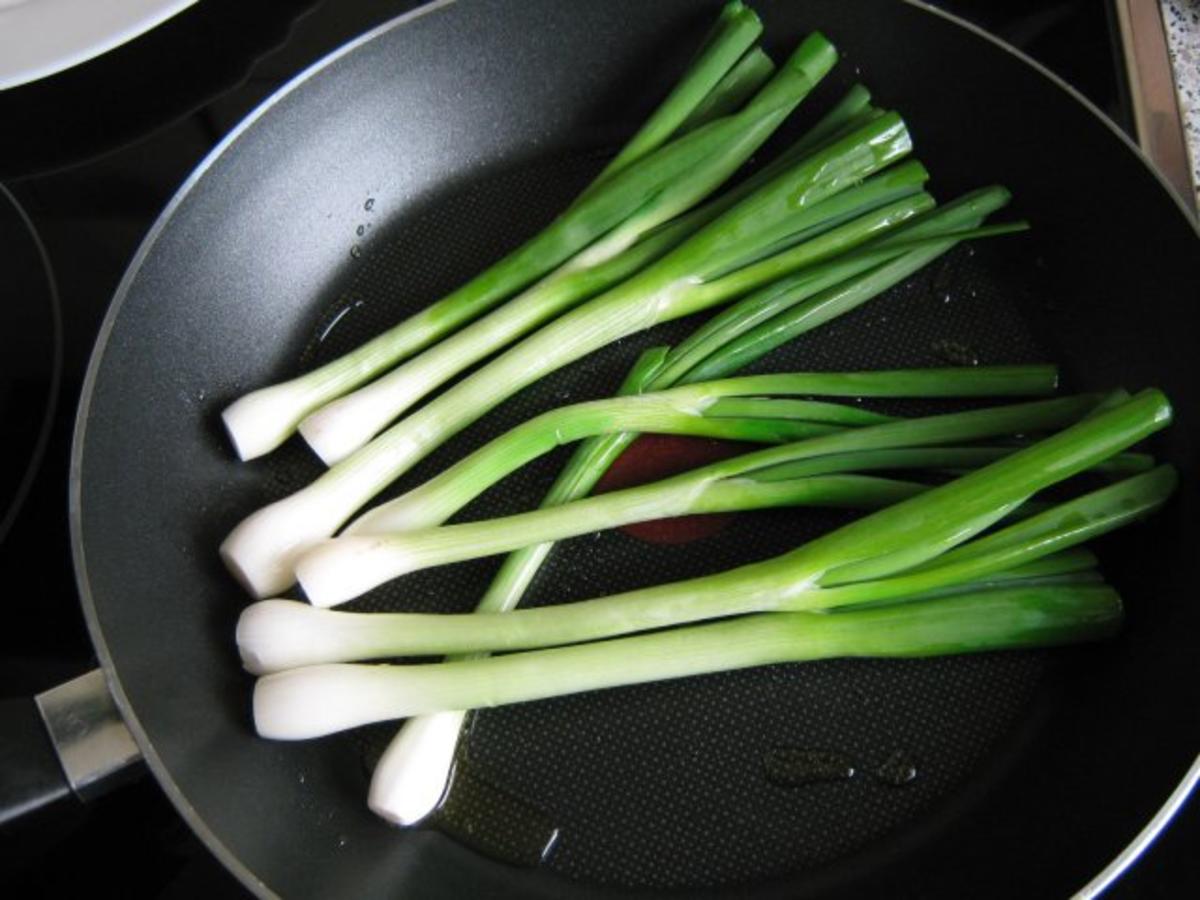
(327, 219)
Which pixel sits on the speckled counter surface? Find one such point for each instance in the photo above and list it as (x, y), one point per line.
(1182, 20)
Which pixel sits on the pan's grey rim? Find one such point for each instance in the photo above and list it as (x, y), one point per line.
(161, 774)
(1130, 854)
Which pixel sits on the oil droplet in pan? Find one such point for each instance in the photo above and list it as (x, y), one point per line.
(794, 767)
(955, 353)
(493, 821)
(898, 769)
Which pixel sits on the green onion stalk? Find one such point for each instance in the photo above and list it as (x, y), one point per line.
(318, 700)
(338, 570)
(749, 408)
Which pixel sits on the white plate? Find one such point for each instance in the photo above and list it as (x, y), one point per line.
(41, 37)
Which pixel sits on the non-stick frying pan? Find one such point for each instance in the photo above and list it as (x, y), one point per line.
(403, 164)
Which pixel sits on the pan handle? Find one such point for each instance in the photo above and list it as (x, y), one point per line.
(68, 740)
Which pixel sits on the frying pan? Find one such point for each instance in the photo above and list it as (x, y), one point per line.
(401, 165)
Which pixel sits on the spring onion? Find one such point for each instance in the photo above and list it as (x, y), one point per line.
(277, 635)
(340, 569)
(731, 408)
(343, 568)
(313, 701)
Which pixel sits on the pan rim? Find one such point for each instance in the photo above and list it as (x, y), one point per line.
(1124, 859)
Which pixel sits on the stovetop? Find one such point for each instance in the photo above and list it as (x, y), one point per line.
(97, 154)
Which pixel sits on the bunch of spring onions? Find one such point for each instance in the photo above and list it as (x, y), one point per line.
(414, 772)
(852, 230)
(834, 220)
(279, 635)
